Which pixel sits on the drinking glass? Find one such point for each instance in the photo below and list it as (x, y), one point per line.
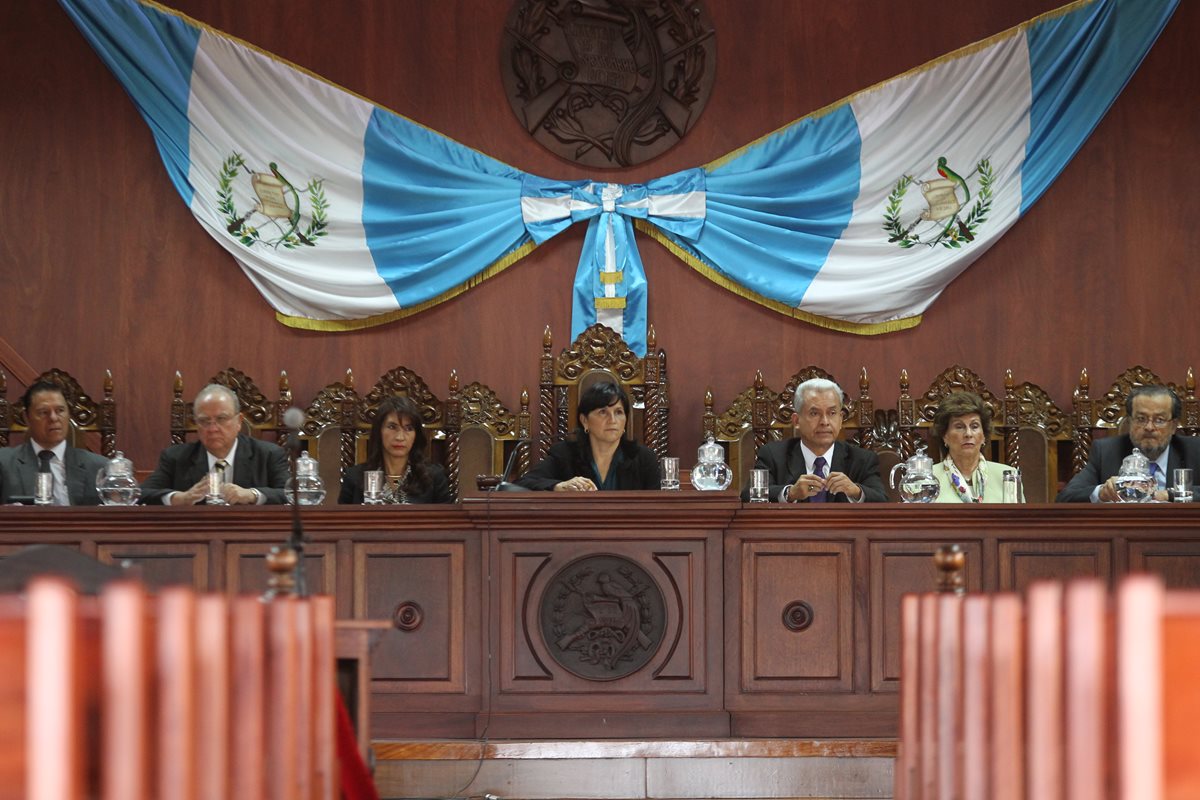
(373, 487)
(216, 482)
(668, 474)
(1181, 485)
(43, 491)
(760, 486)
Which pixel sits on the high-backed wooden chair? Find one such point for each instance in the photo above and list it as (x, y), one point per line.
(1036, 437)
(482, 434)
(916, 414)
(600, 353)
(329, 432)
(262, 418)
(93, 422)
(1105, 415)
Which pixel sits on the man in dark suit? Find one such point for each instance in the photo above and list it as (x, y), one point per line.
(814, 467)
(1153, 415)
(74, 470)
(255, 471)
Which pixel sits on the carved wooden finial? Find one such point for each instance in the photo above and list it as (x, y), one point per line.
(524, 398)
(651, 340)
(3, 383)
(708, 401)
(453, 381)
(904, 383)
(177, 389)
(349, 378)
(864, 383)
(281, 563)
(1083, 381)
(108, 383)
(759, 383)
(1009, 385)
(1189, 383)
(950, 562)
(284, 383)
(547, 339)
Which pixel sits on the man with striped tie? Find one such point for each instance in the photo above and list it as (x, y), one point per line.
(254, 471)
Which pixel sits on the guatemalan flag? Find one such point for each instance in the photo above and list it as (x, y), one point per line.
(344, 214)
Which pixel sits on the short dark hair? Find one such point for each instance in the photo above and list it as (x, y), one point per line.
(601, 394)
(958, 404)
(1154, 390)
(37, 387)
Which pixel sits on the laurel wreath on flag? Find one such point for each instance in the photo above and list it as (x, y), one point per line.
(250, 235)
(953, 235)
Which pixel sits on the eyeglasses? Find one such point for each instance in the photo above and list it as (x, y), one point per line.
(1142, 421)
(220, 420)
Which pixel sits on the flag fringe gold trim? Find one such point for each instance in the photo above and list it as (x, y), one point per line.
(342, 325)
(954, 55)
(860, 328)
(610, 302)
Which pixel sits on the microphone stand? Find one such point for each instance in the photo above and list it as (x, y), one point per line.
(296, 541)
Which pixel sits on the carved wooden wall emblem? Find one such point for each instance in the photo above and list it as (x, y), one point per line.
(602, 617)
(608, 83)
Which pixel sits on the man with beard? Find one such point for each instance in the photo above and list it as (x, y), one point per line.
(1153, 415)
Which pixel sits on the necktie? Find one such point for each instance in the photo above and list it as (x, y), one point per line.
(44, 459)
(819, 470)
(1155, 472)
(222, 467)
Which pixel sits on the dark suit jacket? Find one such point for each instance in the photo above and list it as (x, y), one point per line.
(438, 491)
(19, 466)
(258, 465)
(785, 461)
(568, 459)
(1104, 461)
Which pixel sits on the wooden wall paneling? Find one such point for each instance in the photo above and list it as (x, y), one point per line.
(1177, 561)
(547, 587)
(1022, 563)
(797, 618)
(898, 568)
(421, 587)
(161, 563)
(246, 568)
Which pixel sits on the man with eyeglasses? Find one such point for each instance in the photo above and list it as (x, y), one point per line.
(255, 471)
(1153, 415)
(46, 450)
(814, 467)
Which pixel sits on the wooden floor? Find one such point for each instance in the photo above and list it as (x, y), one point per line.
(753, 769)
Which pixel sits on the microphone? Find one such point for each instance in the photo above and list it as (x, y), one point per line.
(504, 485)
(294, 419)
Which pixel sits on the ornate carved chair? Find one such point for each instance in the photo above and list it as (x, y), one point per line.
(329, 432)
(482, 433)
(915, 416)
(1036, 435)
(758, 415)
(1105, 415)
(93, 423)
(600, 353)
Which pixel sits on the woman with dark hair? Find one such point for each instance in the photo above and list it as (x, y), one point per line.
(963, 422)
(397, 445)
(600, 457)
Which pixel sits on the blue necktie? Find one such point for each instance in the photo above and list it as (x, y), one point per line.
(819, 470)
(1155, 472)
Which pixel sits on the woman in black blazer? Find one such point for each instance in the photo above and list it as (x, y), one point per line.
(397, 445)
(600, 457)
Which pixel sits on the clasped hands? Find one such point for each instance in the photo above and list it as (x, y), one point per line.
(806, 486)
(234, 495)
(577, 484)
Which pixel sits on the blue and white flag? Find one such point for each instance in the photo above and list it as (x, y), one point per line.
(344, 214)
